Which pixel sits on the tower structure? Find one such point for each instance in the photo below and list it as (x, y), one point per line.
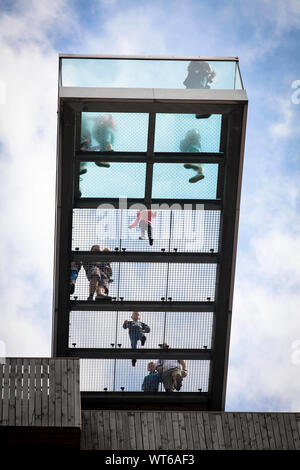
(140, 134)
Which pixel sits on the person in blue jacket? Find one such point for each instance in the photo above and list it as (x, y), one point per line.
(136, 330)
(152, 380)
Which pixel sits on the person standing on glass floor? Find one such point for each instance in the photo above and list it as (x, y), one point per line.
(144, 221)
(136, 330)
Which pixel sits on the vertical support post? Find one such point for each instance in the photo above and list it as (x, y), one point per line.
(63, 230)
(225, 280)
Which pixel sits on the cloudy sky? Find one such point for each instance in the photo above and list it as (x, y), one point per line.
(264, 369)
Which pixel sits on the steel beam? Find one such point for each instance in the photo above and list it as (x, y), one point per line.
(123, 353)
(146, 257)
(124, 306)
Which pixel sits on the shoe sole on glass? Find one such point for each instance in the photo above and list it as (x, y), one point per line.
(103, 297)
(103, 164)
(133, 362)
(143, 340)
(203, 116)
(196, 178)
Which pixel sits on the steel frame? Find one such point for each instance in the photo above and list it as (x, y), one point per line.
(232, 104)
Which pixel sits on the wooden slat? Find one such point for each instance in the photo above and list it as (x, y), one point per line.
(100, 426)
(126, 430)
(257, 432)
(12, 396)
(195, 432)
(51, 402)
(250, 422)
(76, 393)
(182, 431)
(270, 431)
(120, 433)
(201, 432)
(275, 425)
(132, 434)
(106, 428)
(207, 431)
(45, 395)
(94, 430)
(70, 392)
(170, 433)
(38, 393)
(25, 401)
(220, 432)
(64, 392)
(31, 403)
(282, 431)
(157, 430)
(19, 391)
(225, 426)
(113, 430)
(176, 433)
(288, 430)
(5, 404)
(295, 432)
(232, 431)
(86, 429)
(164, 436)
(151, 431)
(238, 429)
(245, 431)
(297, 419)
(138, 430)
(145, 431)
(213, 430)
(264, 433)
(58, 393)
(188, 429)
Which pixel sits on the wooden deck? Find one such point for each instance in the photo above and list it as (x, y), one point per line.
(40, 398)
(170, 430)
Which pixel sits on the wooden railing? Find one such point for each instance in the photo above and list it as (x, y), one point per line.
(40, 392)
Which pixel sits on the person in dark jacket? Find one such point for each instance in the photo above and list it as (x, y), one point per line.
(136, 330)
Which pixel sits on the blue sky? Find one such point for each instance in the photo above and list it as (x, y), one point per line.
(265, 35)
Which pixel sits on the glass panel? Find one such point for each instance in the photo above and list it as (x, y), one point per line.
(92, 329)
(123, 132)
(96, 375)
(188, 181)
(195, 231)
(115, 375)
(127, 337)
(187, 133)
(96, 227)
(153, 281)
(147, 73)
(132, 378)
(172, 230)
(190, 330)
(191, 282)
(83, 285)
(100, 329)
(143, 281)
(117, 181)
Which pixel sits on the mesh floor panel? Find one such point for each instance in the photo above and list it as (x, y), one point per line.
(156, 281)
(98, 329)
(184, 231)
(96, 375)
